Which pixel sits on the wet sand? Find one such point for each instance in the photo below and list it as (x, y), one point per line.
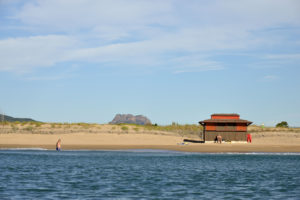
(205, 148)
(266, 143)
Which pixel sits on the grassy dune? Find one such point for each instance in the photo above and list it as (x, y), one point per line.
(258, 129)
(66, 128)
(61, 128)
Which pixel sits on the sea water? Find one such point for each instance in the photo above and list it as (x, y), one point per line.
(147, 174)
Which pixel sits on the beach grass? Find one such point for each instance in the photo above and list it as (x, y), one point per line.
(124, 128)
(174, 128)
(257, 129)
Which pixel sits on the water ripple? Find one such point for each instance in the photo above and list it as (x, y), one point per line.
(35, 174)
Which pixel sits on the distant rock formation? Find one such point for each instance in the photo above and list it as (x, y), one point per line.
(130, 119)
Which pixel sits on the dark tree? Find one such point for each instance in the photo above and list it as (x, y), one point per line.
(282, 124)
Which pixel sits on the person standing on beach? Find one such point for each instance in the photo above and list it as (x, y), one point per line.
(249, 138)
(219, 138)
(58, 145)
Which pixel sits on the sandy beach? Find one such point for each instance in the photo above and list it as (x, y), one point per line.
(262, 142)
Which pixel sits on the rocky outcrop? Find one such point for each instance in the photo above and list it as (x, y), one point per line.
(130, 119)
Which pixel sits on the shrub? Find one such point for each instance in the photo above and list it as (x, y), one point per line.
(4, 123)
(124, 128)
(14, 127)
(38, 124)
(282, 124)
(83, 125)
(28, 128)
(67, 125)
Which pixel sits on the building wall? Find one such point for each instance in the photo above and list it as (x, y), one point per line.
(241, 127)
(210, 127)
(225, 127)
(227, 136)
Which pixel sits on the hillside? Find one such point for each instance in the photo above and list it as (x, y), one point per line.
(13, 119)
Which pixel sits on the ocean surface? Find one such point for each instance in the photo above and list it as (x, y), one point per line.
(147, 174)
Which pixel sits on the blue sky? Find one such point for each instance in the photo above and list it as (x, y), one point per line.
(172, 60)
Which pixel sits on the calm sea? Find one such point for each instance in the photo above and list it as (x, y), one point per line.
(146, 174)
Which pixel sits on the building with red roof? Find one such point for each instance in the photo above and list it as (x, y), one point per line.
(229, 126)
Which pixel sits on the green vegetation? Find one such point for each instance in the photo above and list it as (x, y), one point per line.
(38, 124)
(14, 127)
(4, 123)
(83, 125)
(183, 130)
(124, 128)
(29, 128)
(255, 128)
(187, 129)
(67, 125)
(282, 124)
(190, 128)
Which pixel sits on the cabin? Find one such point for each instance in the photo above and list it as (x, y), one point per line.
(229, 126)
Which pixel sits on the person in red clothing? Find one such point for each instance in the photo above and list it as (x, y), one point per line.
(249, 138)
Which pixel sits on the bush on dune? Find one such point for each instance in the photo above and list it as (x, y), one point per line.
(282, 124)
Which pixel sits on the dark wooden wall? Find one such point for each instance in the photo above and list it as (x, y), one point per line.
(227, 136)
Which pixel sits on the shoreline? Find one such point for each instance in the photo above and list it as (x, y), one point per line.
(130, 141)
(197, 148)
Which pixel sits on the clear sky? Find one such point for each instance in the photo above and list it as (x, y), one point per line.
(171, 60)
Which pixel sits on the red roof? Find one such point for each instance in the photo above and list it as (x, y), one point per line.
(226, 114)
(225, 118)
(242, 121)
